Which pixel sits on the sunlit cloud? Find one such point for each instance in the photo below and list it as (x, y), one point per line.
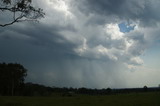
(87, 43)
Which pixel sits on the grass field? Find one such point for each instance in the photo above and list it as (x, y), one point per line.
(134, 99)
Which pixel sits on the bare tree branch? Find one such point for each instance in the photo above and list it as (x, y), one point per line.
(21, 11)
(15, 20)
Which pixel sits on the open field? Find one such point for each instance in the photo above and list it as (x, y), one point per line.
(133, 99)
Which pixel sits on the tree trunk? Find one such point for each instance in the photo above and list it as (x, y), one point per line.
(12, 88)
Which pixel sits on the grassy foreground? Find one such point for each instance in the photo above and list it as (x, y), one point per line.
(134, 99)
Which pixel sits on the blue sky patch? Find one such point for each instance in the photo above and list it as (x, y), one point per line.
(124, 27)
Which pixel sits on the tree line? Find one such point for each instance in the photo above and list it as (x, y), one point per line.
(12, 77)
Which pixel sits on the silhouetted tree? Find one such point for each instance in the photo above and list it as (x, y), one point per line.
(19, 10)
(11, 78)
(145, 88)
(108, 90)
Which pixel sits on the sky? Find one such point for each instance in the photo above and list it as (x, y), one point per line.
(87, 43)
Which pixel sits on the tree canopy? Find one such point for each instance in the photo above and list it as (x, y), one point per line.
(19, 10)
(11, 78)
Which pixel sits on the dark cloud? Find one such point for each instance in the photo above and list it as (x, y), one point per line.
(79, 43)
(102, 6)
(132, 10)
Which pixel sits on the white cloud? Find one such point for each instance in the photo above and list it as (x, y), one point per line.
(81, 44)
(136, 60)
(113, 31)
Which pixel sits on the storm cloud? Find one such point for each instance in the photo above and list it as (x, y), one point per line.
(80, 44)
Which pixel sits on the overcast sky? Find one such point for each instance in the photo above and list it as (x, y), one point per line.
(88, 43)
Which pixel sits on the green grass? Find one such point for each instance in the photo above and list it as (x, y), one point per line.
(134, 99)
